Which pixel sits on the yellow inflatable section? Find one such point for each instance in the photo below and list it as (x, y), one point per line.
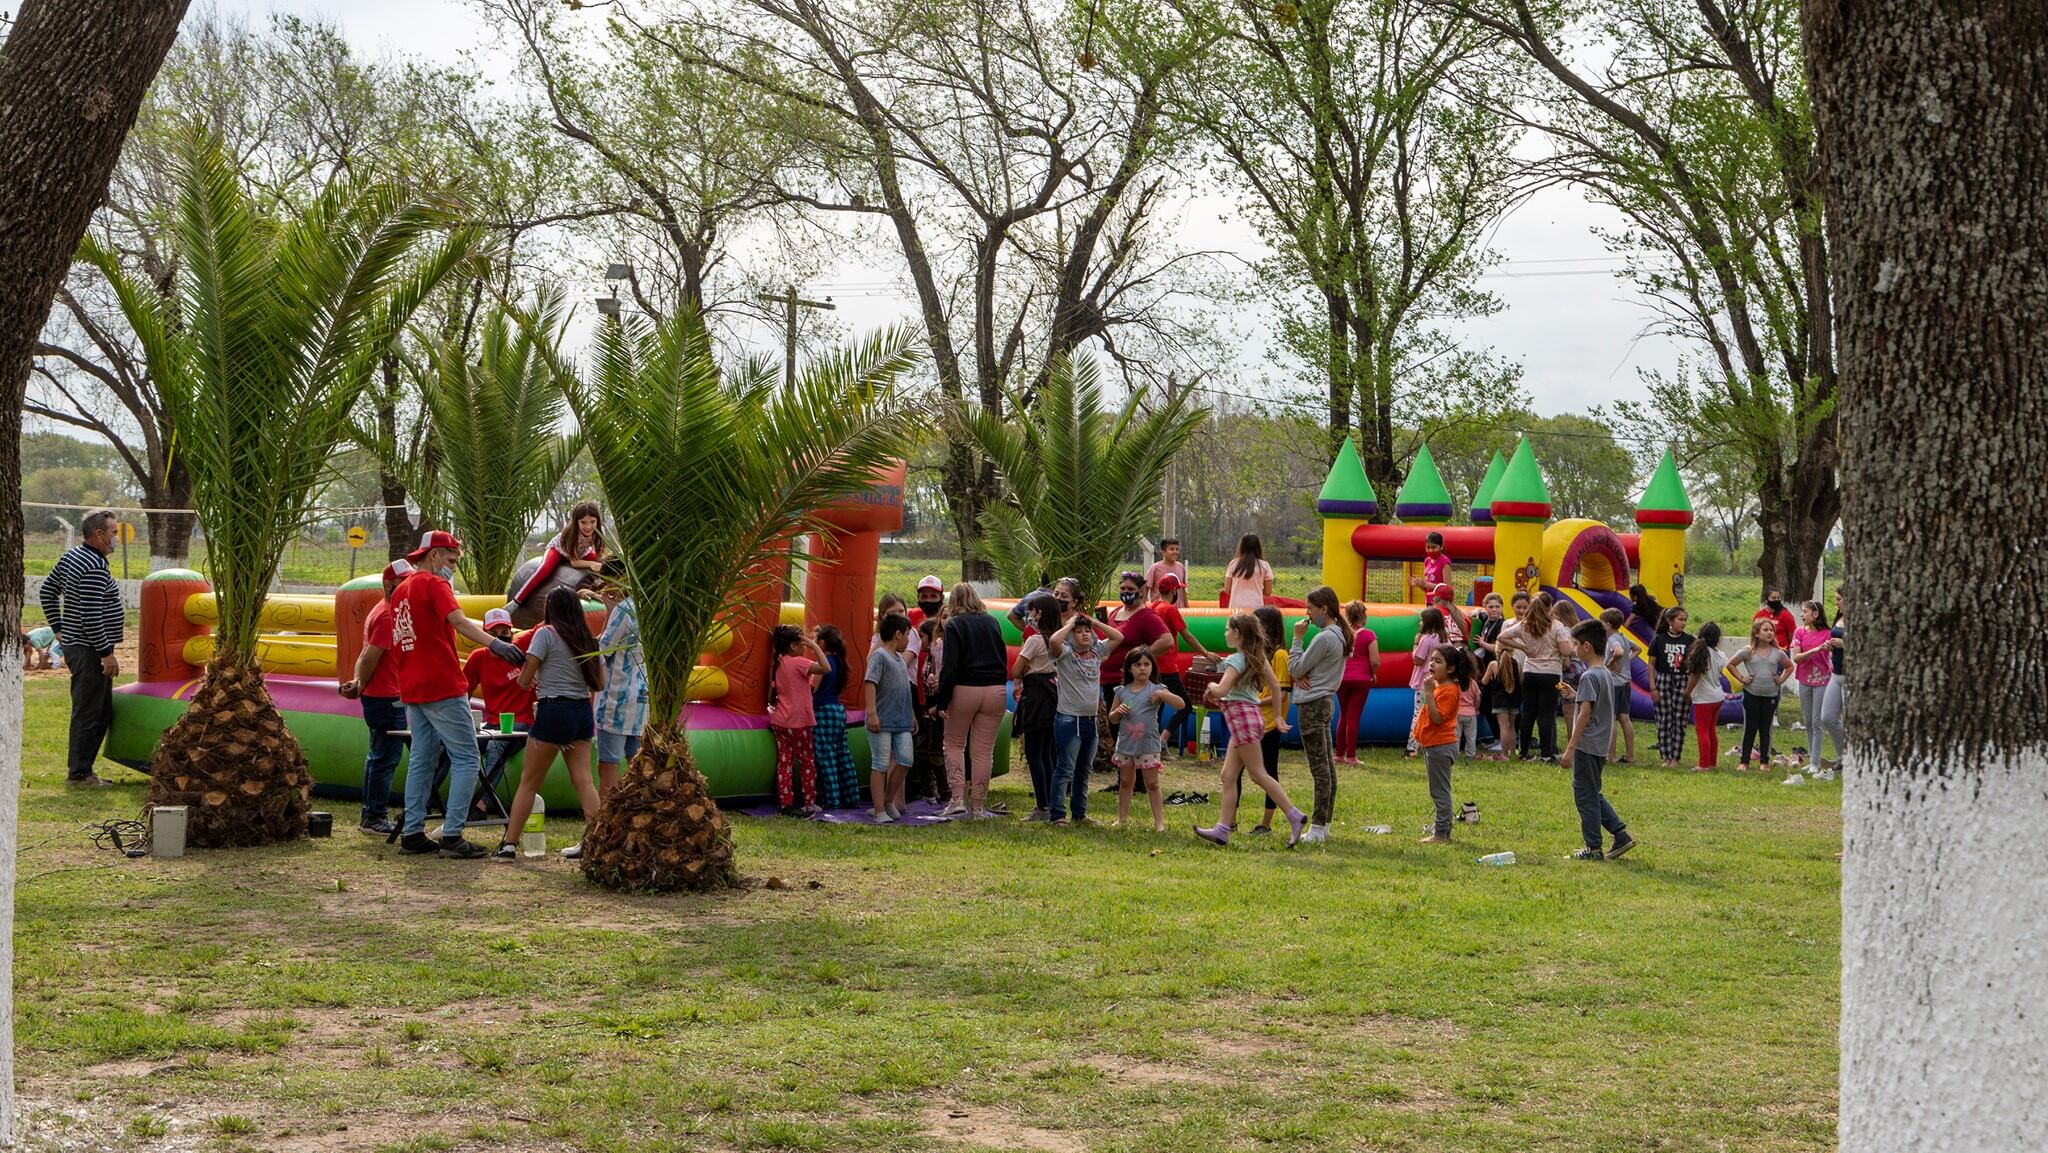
(286, 614)
(299, 656)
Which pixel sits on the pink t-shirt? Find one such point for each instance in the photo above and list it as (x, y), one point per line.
(1436, 570)
(1424, 645)
(1159, 569)
(792, 707)
(1468, 699)
(1358, 666)
(1247, 593)
(1815, 668)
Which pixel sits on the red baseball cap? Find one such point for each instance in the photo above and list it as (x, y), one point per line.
(397, 570)
(431, 541)
(1169, 582)
(1442, 593)
(931, 582)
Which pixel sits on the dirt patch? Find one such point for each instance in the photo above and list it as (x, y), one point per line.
(1133, 1071)
(995, 1129)
(1407, 1031)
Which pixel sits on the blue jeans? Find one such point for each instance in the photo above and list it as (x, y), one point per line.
(381, 715)
(1075, 739)
(1594, 811)
(437, 727)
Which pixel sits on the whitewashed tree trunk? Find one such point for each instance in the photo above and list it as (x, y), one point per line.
(1934, 132)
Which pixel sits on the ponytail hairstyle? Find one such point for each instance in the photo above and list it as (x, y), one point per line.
(832, 641)
(1819, 611)
(1249, 553)
(563, 612)
(1460, 664)
(1670, 614)
(1275, 626)
(1355, 614)
(782, 642)
(1432, 625)
(1538, 619)
(1696, 660)
(1325, 598)
(1251, 645)
(565, 543)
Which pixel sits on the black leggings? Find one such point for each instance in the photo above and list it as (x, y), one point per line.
(1539, 712)
(1758, 712)
(1269, 751)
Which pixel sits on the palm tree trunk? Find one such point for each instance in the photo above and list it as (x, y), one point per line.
(1937, 223)
(232, 763)
(659, 829)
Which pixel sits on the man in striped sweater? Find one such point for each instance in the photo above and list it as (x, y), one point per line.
(83, 607)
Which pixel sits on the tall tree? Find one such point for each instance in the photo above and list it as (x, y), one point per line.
(1691, 120)
(72, 75)
(1935, 139)
(274, 324)
(1376, 170)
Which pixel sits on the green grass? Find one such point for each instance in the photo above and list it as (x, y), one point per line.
(1001, 985)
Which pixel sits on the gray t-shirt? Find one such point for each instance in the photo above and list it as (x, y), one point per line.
(1137, 735)
(892, 689)
(561, 674)
(1079, 675)
(1762, 669)
(1596, 688)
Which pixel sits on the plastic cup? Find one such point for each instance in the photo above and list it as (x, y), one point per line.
(504, 722)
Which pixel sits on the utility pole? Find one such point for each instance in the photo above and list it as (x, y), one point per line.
(791, 302)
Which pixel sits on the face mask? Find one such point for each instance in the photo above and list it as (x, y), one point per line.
(1776, 604)
(446, 574)
(929, 608)
(1129, 596)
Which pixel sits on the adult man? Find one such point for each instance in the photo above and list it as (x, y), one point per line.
(1781, 618)
(931, 599)
(425, 620)
(1169, 564)
(375, 682)
(83, 607)
(622, 706)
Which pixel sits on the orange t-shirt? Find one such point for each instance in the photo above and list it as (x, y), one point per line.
(1444, 732)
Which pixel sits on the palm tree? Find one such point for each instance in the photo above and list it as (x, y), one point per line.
(708, 475)
(1081, 483)
(269, 332)
(499, 448)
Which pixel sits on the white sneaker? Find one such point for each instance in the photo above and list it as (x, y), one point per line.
(952, 810)
(1317, 834)
(573, 852)
(883, 818)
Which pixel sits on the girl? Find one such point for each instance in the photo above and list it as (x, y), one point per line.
(1272, 709)
(1077, 650)
(1361, 669)
(971, 690)
(1667, 684)
(1811, 650)
(1236, 692)
(1468, 714)
(890, 603)
(1619, 656)
(1497, 701)
(798, 667)
(1762, 670)
(580, 544)
(1037, 702)
(1542, 645)
(1318, 667)
(928, 767)
(1838, 687)
(1703, 665)
(1135, 713)
(1435, 730)
(838, 780)
(1249, 579)
(1429, 634)
(562, 668)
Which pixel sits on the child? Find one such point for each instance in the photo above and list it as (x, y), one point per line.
(499, 684)
(1468, 716)
(580, 544)
(1249, 579)
(889, 603)
(928, 770)
(1762, 670)
(791, 716)
(563, 668)
(1236, 692)
(1435, 730)
(890, 719)
(1272, 710)
(1436, 564)
(1135, 713)
(1498, 712)
(838, 779)
(622, 707)
(1456, 626)
(1037, 696)
(1667, 684)
(1077, 650)
(1703, 665)
(1429, 634)
(1318, 668)
(1620, 652)
(1361, 669)
(41, 650)
(1812, 658)
(1591, 736)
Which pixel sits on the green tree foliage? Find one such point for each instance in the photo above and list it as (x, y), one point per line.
(1589, 472)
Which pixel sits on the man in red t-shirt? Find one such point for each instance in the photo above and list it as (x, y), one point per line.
(1781, 618)
(1173, 663)
(375, 682)
(425, 620)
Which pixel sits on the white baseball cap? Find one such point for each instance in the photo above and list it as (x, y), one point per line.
(931, 582)
(496, 617)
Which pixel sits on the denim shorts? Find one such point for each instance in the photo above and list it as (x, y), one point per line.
(562, 720)
(616, 748)
(887, 748)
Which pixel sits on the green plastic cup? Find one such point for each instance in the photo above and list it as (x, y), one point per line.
(504, 722)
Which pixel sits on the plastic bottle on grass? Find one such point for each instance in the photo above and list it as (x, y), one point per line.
(533, 841)
(1498, 859)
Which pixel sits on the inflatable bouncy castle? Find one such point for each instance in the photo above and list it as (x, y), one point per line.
(308, 638)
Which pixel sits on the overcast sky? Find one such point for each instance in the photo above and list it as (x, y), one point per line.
(1577, 331)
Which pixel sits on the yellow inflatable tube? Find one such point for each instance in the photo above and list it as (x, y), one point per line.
(288, 614)
(296, 656)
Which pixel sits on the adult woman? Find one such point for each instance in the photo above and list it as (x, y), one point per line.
(1249, 579)
(563, 669)
(1141, 627)
(972, 668)
(1543, 642)
(1667, 684)
(580, 545)
(1838, 687)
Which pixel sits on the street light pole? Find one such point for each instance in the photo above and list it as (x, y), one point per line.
(791, 302)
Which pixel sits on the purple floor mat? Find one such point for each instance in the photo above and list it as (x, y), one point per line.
(918, 813)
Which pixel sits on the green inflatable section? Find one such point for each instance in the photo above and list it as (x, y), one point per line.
(1396, 633)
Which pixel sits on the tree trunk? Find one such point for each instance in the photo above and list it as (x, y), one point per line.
(400, 531)
(72, 75)
(170, 533)
(1935, 138)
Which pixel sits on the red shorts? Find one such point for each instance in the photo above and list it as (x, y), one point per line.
(1245, 723)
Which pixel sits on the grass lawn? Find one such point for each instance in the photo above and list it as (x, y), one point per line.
(999, 986)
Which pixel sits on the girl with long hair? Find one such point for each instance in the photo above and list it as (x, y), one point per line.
(1838, 686)
(1249, 579)
(1318, 666)
(1272, 707)
(1135, 714)
(1037, 702)
(1429, 634)
(1435, 729)
(1668, 651)
(1236, 692)
(1361, 669)
(1543, 643)
(563, 669)
(838, 779)
(971, 679)
(1761, 668)
(580, 544)
(798, 666)
(1497, 702)
(1703, 665)
(1811, 653)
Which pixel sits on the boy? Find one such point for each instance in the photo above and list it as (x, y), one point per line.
(1169, 565)
(1590, 738)
(1436, 566)
(39, 649)
(1620, 651)
(891, 720)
